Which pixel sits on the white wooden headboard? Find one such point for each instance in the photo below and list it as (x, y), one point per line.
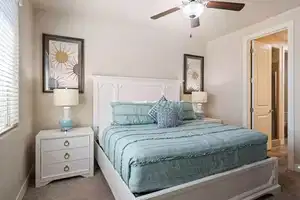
(107, 89)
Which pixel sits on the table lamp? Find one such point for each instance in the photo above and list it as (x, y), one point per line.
(198, 98)
(66, 98)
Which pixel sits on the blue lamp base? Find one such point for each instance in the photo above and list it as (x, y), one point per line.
(65, 125)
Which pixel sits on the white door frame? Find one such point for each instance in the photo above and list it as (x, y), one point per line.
(246, 62)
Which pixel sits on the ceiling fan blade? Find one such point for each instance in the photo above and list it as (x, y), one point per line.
(195, 22)
(225, 5)
(162, 14)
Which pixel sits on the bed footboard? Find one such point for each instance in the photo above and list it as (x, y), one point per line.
(244, 183)
(247, 183)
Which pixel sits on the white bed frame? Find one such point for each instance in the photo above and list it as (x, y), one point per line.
(247, 182)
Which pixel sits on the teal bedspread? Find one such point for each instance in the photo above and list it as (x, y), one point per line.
(150, 159)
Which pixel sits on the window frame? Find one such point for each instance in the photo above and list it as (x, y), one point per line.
(16, 60)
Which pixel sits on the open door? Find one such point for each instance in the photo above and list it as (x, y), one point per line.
(262, 89)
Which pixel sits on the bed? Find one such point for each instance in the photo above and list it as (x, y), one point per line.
(174, 165)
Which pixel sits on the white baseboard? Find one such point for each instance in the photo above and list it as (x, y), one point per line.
(24, 186)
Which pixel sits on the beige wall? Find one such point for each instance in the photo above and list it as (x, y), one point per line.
(224, 69)
(16, 146)
(111, 48)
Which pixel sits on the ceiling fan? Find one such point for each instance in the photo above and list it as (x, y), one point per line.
(192, 9)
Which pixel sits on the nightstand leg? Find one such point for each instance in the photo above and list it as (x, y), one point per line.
(88, 175)
(41, 184)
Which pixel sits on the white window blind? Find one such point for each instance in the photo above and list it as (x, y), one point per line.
(9, 65)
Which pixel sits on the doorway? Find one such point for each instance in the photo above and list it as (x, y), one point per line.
(268, 89)
(290, 74)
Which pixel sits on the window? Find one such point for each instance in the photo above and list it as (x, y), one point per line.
(9, 65)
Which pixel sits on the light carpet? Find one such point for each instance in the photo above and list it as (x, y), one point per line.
(96, 188)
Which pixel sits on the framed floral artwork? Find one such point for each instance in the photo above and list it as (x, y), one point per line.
(193, 72)
(63, 63)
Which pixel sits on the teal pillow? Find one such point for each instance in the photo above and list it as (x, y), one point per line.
(153, 111)
(167, 117)
(169, 114)
(131, 113)
(188, 111)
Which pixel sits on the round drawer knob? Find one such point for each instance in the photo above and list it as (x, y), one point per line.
(67, 156)
(66, 168)
(66, 143)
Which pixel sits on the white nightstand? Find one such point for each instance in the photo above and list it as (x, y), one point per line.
(61, 155)
(213, 120)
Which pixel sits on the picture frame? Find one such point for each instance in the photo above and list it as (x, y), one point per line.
(63, 63)
(193, 73)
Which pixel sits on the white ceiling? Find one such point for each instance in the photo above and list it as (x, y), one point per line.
(214, 23)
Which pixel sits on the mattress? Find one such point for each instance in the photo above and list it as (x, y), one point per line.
(150, 159)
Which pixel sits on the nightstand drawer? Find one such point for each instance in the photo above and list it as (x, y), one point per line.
(64, 143)
(51, 157)
(65, 168)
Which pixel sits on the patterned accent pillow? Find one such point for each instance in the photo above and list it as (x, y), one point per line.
(153, 111)
(167, 117)
(179, 107)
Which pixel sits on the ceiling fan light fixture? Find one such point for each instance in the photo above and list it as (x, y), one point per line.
(193, 10)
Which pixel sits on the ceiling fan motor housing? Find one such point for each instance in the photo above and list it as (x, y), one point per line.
(195, 23)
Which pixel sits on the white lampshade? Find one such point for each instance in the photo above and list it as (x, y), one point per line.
(199, 97)
(66, 97)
